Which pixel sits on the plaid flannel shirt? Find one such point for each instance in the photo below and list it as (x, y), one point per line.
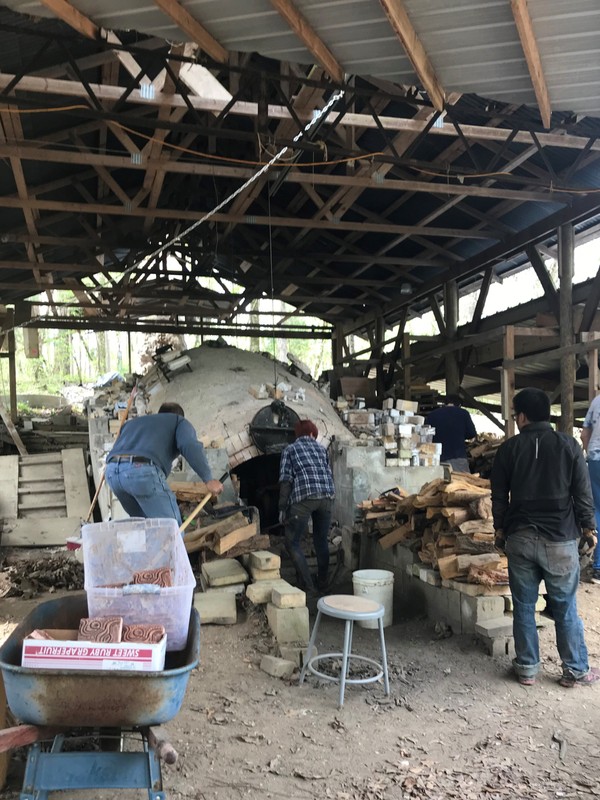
(305, 465)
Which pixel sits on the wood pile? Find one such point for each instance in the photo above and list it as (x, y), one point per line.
(481, 452)
(449, 525)
(234, 533)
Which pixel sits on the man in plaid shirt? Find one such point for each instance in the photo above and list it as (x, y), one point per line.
(306, 491)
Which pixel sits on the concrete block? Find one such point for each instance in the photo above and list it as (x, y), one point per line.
(278, 667)
(224, 571)
(509, 605)
(288, 624)
(501, 627)
(264, 559)
(476, 609)
(264, 574)
(501, 646)
(295, 653)
(216, 607)
(235, 588)
(430, 576)
(291, 597)
(262, 591)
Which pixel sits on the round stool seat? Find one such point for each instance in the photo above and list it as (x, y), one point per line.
(349, 606)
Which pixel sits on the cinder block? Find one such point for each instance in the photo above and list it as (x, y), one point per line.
(216, 607)
(509, 605)
(430, 576)
(501, 627)
(262, 591)
(476, 609)
(264, 559)
(291, 597)
(501, 646)
(224, 571)
(288, 624)
(278, 667)
(264, 574)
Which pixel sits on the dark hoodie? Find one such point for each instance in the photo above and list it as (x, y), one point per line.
(540, 481)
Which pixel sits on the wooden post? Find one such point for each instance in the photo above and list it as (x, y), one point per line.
(451, 320)
(566, 246)
(592, 361)
(406, 368)
(12, 374)
(507, 380)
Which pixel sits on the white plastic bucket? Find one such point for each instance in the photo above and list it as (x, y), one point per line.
(378, 585)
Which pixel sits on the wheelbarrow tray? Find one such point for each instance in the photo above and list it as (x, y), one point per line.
(85, 698)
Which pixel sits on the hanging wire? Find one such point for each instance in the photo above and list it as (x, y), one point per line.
(277, 157)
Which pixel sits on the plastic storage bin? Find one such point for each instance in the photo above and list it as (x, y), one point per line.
(113, 551)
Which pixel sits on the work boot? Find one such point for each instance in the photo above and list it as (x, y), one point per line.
(595, 576)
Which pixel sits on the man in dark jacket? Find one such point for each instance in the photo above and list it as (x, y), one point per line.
(140, 461)
(453, 426)
(541, 502)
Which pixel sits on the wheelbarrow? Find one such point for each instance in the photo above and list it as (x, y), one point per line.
(59, 706)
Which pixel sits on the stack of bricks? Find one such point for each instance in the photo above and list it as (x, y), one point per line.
(221, 581)
(240, 448)
(286, 609)
(407, 440)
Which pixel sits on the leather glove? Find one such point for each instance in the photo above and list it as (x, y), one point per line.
(282, 517)
(588, 541)
(500, 541)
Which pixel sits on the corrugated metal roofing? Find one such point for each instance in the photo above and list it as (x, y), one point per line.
(473, 44)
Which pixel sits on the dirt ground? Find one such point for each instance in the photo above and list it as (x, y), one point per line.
(456, 725)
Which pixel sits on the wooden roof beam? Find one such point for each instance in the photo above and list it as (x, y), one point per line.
(192, 28)
(308, 36)
(529, 44)
(73, 17)
(404, 30)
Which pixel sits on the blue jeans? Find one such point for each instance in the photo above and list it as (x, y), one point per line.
(532, 558)
(142, 490)
(296, 525)
(594, 470)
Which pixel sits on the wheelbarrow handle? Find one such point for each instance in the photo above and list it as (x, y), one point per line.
(21, 735)
(163, 749)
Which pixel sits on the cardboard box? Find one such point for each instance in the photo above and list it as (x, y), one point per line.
(65, 652)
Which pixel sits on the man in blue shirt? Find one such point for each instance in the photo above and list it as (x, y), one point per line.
(138, 465)
(306, 491)
(453, 425)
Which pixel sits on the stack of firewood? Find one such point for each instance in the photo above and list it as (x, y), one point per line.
(482, 451)
(232, 530)
(449, 524)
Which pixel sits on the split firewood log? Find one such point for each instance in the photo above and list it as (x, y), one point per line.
(487, 577)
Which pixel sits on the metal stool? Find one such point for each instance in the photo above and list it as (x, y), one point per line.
(349, 608)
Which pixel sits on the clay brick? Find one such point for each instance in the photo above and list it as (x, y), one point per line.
(264, 559)
(264, 574)
(278, 667)
(288, 597)
(288, 624)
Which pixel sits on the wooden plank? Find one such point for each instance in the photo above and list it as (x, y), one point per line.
(42, 500)
(49, 532)
(309, 38)
(9, 482)
(230, 540)
(190, 26)
(73, 17)
(531, 51)
(10, 427)
(41, 458)
(40, 472)
(404, 30)
(77, 491)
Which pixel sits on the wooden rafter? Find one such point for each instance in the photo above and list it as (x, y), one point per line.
(192, 28)
(529, 44)
(404, 30)
(73, 17)
(314, 44)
